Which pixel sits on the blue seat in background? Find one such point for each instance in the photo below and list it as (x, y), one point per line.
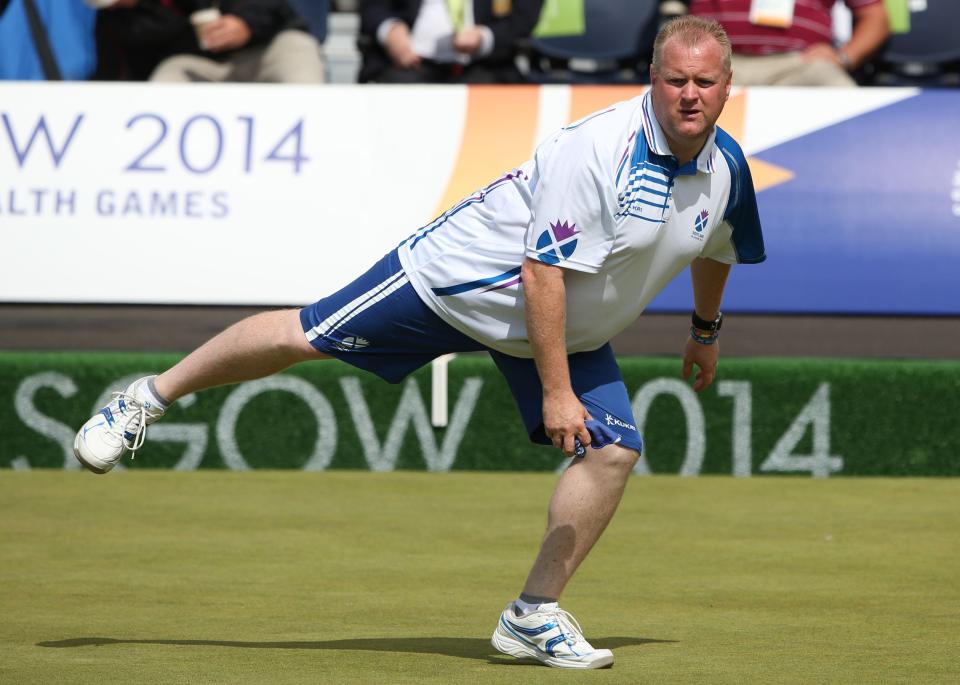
(615, 47)
(927, 55)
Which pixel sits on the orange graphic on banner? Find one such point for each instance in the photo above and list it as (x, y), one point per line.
(733, 121)
(733, 118)
(585, 100)
(499, 131)
(501, 128)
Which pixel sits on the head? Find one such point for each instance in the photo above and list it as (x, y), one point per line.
(690, 81)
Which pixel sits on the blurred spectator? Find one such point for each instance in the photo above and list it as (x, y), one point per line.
(58, 44)
(200, 40)
(314, 13)
(791, 43)
(443, 41)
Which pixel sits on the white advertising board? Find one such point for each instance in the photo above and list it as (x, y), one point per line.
(277, 195)
(229, 194)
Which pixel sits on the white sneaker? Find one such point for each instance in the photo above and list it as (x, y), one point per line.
(118, 427)
(549, 635)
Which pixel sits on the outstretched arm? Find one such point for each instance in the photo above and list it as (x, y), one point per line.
(546, 313)
(709, 278)
(871, 28)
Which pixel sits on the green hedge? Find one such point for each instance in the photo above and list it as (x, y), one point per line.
(809, 416)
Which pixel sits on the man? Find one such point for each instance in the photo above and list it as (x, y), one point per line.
(443, 41)
(791, 43)
(236, 41)
(541, 268)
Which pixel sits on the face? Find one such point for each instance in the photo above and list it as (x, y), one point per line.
(689, 88)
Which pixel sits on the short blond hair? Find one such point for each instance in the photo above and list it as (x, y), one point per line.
(692, 31)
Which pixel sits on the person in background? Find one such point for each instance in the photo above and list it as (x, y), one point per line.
(200, 40)
(791, 43)
(443, 41)
(67, 39)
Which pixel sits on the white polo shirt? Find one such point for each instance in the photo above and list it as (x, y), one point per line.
(602, 198)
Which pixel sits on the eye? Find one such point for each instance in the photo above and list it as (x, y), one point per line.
(677, 82)
(705, 83)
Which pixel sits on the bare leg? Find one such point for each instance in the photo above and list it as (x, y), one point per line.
(257, 346)
(581, 507)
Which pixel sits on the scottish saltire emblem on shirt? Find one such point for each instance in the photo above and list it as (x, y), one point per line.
(700, 224)
(556, 243)
(701, 221)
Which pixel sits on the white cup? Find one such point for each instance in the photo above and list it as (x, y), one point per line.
(100, 4)
(201, 18)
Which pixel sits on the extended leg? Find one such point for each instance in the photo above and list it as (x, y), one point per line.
(581, 507)
(257, 346)
(253, 348)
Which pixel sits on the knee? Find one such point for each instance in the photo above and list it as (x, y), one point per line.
(619, 460)
(172, 70)
(289, 337)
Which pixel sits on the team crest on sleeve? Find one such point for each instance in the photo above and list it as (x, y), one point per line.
(558, 242)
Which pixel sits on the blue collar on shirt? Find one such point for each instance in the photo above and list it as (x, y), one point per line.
(657, 142)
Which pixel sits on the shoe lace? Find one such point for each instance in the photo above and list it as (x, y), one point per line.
(139, 418)
(570, 627)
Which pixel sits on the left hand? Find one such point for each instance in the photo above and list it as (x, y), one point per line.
(823, 52)
(564, 420)
(229, 32)
(705, 357)
(468, 41)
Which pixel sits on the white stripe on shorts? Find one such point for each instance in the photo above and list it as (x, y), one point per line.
(358, 305)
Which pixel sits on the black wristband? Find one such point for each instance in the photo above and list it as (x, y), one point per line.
(704, 325)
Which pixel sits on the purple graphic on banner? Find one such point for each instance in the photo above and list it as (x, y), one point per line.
(868, 225)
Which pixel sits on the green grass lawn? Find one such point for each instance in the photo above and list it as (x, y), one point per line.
(355, 577)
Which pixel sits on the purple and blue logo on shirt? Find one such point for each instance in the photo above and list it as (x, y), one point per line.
(557, 243)
(700, 225)
(701, 221)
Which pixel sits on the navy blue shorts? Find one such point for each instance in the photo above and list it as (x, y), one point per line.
(378, 323)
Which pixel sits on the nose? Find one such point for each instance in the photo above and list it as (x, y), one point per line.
(689, 91)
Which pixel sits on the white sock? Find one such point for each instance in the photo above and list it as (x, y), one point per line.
(149, 392)
(521, 608)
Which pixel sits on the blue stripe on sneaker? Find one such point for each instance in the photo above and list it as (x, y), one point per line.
(553, 642)
(517, 635)
(513, 628)
(108, 415)
(533, 631)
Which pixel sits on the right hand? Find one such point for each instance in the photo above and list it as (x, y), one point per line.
(468, 41)
(229, 32)
(399, 46)
(821, 52)
(564, 419)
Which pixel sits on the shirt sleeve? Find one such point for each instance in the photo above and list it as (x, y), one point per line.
(572, 223)
(739, 238)
(720, 246)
